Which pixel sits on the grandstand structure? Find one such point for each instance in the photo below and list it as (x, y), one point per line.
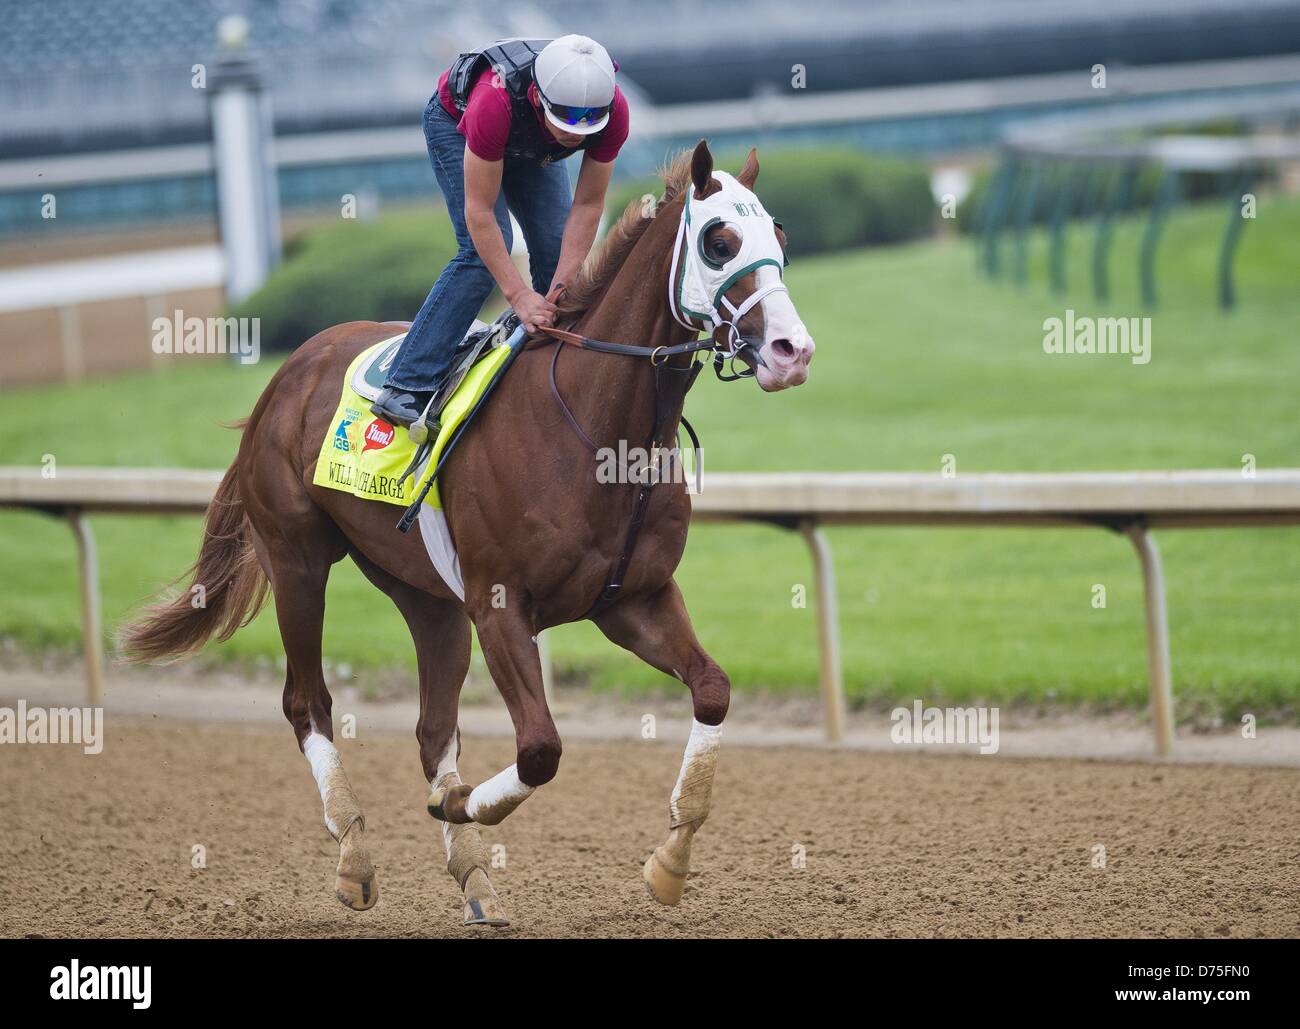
(109, 107)
(348, 80)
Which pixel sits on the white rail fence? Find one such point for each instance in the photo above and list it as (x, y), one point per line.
(1132, 503)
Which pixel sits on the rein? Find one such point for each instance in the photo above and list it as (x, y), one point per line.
(672, 382)
(696, 287)
(724, 350)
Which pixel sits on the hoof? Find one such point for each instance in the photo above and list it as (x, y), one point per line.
(359, 895)
(486, 911)
(354, 879)
(665, 885)
(449, 805)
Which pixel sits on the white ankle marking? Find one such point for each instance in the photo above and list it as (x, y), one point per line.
(447, 767)
(323, 757)
(504, 790)
(324, 760)
(446, 763)
(690, 799)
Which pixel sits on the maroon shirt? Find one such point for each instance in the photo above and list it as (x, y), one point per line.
(486, 121)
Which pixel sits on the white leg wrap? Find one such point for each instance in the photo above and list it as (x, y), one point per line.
(446, 776)
(464, 846)
(324, 760)
(491, 801)
(690, 799)
(446, 763)
(335, 791)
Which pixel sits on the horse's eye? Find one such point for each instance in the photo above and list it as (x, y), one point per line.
(718, 248)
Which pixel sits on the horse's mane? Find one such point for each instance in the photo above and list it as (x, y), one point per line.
(605, 260)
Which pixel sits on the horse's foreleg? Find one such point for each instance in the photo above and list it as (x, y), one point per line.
(658, 630)
(510, 649)
(440, 630)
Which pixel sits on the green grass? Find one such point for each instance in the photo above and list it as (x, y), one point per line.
(918, 356)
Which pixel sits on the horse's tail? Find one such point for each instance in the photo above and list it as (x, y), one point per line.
(226, 587)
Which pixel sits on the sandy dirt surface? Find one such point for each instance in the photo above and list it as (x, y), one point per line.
(902, 844)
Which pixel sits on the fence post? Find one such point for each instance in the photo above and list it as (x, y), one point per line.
(91, 622)
(1153, 581)
(828, 628)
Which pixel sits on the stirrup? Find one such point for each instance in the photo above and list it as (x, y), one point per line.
(464, 358)
(427, 426)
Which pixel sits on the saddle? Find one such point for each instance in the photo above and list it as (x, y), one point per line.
(368, 378)
(366, 456)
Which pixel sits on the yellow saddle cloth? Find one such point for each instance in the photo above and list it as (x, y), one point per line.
(364, 455)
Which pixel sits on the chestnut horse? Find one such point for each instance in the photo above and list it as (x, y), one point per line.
(537, 534)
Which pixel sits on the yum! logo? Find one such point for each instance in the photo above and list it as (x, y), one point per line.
(378, 435)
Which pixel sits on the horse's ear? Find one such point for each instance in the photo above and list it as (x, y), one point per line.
(702, 171)
(749, 174)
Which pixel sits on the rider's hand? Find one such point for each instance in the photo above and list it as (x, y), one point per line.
(534, 310)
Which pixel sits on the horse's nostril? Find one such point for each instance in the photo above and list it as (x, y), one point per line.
(782, 348)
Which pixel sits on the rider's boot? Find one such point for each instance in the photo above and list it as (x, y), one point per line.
(399, 406)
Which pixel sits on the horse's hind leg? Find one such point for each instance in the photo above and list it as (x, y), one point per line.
(441, 631)
(658, 630)
(297, 557)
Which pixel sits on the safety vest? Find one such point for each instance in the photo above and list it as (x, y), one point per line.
(513, 59)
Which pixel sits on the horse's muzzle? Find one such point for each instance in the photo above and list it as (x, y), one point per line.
(783, 362)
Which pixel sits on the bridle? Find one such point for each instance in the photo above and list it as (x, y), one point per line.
(725, 340)
(723, 350)
(728, 347)
(672, 382)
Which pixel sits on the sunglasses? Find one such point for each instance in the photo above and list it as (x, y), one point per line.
(575, 116)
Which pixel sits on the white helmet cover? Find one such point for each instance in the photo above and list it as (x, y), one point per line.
(577, 72)
(700, 288)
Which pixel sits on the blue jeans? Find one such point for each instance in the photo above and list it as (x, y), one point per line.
(539, 197)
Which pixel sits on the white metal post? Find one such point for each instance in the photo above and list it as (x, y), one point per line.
(248, 206)
(91, 622)
(828, 629)
(1158, 674)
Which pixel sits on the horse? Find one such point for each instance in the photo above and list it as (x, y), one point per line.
(536, 533)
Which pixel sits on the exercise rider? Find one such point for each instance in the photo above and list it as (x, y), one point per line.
(500, 124)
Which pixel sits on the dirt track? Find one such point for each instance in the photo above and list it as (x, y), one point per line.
(897, 845)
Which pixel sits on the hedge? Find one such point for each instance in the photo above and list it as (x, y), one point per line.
(379, 270)
(829, 199)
